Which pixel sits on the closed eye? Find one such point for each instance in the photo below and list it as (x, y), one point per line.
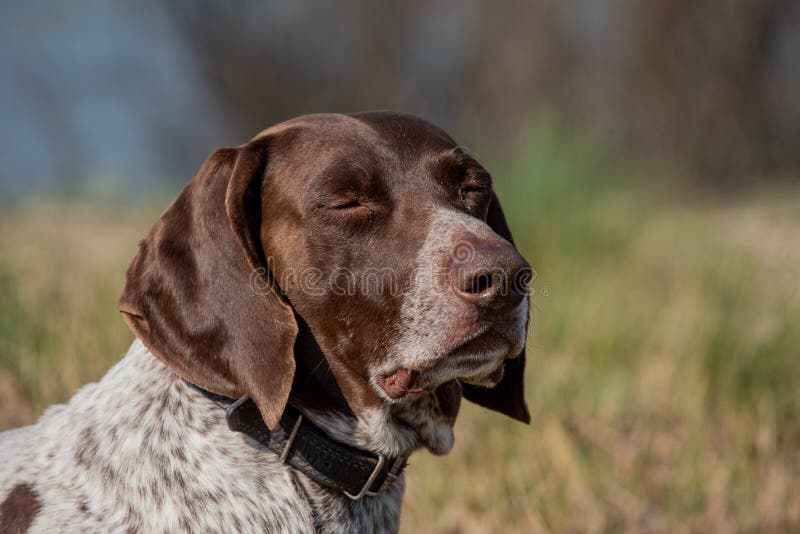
(347, 205)
(352, 210)
(475, 189)
(474, 192)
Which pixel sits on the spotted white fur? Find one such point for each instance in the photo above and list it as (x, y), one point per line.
(140, 451)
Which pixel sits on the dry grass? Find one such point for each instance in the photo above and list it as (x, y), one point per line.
(663, 369)
(663, 378)
(62, 268)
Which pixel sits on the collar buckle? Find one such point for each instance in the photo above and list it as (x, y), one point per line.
(391, 475)
(368, 484)
(288, 445)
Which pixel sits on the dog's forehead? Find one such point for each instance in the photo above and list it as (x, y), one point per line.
(407, 136)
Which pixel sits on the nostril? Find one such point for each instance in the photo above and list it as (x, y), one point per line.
(481, 283)
(494, 276)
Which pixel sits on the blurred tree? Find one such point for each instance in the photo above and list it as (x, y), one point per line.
(687, 80)
(270, 61)
(705, 68)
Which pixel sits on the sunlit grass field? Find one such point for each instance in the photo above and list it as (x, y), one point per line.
(664, 356)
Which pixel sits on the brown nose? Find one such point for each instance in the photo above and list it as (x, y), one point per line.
(489, 274)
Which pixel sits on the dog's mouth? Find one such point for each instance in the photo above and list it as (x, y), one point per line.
(399, 383)
(478, 358)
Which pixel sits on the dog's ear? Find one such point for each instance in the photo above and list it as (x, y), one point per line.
(508, 396)
(198, 293)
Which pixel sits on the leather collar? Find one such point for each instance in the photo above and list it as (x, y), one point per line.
(299, 443)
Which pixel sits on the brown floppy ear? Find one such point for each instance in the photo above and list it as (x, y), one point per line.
(195, 293)
(508, 396)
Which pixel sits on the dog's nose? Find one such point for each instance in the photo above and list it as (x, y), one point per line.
(489, 274)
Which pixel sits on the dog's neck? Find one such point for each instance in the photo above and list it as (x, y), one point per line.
(153, 408)
(423, 420)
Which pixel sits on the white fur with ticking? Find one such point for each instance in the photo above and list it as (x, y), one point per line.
(140, 451)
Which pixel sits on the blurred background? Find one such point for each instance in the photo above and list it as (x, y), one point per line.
(648, 158)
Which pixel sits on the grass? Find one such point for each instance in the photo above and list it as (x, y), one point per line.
(663, 360)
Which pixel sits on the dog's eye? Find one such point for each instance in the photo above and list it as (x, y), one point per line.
(474, 192)
(348, 205)
(353, 208)
(475, 189)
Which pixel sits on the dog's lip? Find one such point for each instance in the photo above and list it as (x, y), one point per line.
(471, 354)
(483, 342)
(477, 356)
(399, 382)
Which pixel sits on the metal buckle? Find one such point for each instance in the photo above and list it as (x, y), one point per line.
(288, 445)
(365, 490)
(392, 474)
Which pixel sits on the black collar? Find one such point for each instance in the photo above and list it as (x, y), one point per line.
(301, 444)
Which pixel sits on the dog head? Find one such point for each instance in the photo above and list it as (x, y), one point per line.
(372, 239)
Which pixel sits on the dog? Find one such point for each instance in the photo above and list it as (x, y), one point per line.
(308, 312)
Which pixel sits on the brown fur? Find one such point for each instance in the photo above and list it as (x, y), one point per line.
(265, 206)
(19, 509)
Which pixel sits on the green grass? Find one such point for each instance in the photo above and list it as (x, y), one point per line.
(663, 358)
